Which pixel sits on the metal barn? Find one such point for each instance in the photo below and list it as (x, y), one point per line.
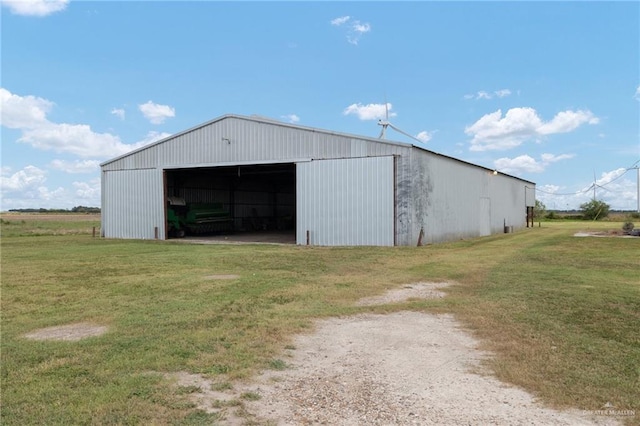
(236, 173)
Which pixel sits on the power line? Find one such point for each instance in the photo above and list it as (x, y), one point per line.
(584, 191)
(618, 177)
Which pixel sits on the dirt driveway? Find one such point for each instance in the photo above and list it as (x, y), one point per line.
(399, 369)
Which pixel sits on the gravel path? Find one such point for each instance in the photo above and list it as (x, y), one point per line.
(399, 369)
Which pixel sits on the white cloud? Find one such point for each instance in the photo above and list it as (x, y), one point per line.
(118, 112)
(356, 32)
(29, 114)
(151, 137)
(361, 28)
(495, 132)
(553, 198)
(609, 177)
(637, 95)
(156, 113)
(370, 111)
(291, 118)
(550, 188)
(27, 189)
(76, 139)
(617, 188)
(88, 190)
(424, 136)
(492, 131)
(550, 158)
(355, 28)
(527, 164)
(22, 112)
(77, 166)
(28, 178)
(523, 163)
(340, 20)
(45, 194)
(567, 121)
(482, 94)
(35, 7)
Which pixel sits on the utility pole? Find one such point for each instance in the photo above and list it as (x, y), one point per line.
(638, 187)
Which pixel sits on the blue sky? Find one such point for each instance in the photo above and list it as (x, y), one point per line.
(547, 91)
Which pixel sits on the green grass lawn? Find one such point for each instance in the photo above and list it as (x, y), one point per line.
(561, 313)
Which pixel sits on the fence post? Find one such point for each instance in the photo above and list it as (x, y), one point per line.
(420, 236)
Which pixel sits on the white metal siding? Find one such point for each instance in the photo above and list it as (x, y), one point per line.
(232, 140)
(132, 204)
(484, 217)
(435, 193)
(509, 202)
(530, 195)
(453, 200)
(346, 202)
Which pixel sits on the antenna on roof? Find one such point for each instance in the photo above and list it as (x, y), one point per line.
(386, 123)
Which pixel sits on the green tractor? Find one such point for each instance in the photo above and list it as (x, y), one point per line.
(175, 217)
(197, 218)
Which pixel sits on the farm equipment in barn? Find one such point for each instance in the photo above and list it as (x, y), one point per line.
(207, 217)
(196, 218)
(176, 210)
(176, 228)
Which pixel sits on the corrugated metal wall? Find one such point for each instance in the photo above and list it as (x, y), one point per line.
(347, 202)
(455, 200)
(235, 140)
(530, 195)
(434, 193)
(132, 204)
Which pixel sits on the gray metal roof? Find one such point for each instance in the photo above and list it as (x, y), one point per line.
(265, 120)
(256, 119)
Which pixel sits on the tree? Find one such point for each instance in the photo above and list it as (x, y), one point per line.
(594, 210)
(539, 210)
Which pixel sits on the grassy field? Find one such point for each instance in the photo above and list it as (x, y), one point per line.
(561, 313)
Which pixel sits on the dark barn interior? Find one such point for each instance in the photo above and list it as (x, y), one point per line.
(257, 198)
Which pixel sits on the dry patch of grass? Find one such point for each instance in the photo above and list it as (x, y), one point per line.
(562, 316)
(560, 313)
(51, 217)
(35, 224)
(406, 292)
(70, 332)
(222, 277)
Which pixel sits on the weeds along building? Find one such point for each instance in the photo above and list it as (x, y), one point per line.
(238, 173)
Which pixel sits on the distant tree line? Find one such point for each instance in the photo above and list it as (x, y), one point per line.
(591, 210)
(77, 209)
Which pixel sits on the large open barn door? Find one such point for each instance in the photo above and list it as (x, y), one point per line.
(345, 202)
(232, 199)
